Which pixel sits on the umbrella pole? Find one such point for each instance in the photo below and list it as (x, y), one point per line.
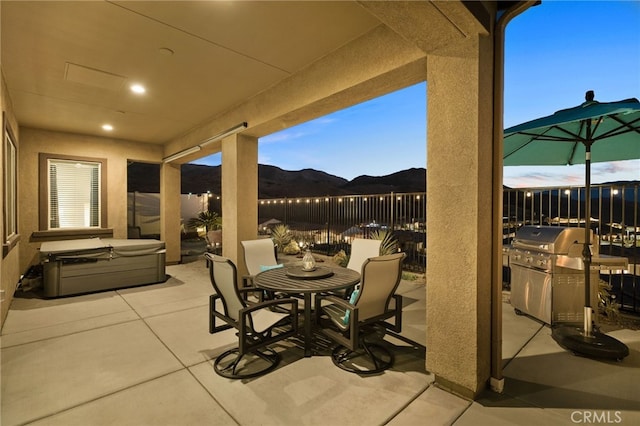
(588, 342)
(586, 250)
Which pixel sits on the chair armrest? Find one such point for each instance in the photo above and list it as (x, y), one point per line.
(273, 302)
(245, 313)
(397, 326)
(247, 280)
(343, 303)
(336, 300)
(398, 298)
(246, 290)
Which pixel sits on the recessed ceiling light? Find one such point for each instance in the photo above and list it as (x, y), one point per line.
(165, 51)
(138, 88)
(107, 127)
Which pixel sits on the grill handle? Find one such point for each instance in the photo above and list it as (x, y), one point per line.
(536, 247)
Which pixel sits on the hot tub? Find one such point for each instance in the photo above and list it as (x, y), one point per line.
(96, 264)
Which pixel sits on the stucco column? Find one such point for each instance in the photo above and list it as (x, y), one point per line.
(239, 196)
(459, 217)
(170, 208)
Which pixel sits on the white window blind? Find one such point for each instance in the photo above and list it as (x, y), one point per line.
(10, 189)
(74, 194)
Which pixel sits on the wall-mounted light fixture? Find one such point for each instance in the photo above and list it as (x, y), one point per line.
(240, 127)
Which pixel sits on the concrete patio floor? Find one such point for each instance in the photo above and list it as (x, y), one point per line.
(143, 356)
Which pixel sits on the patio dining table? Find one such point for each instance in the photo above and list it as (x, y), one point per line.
(294, 280)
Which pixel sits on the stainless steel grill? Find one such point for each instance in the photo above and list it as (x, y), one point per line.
(547, 274)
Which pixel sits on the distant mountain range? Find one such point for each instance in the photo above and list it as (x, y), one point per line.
(274, 182)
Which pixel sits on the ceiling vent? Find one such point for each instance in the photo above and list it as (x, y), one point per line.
(93, 77)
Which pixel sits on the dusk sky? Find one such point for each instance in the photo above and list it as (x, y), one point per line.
(555, 52)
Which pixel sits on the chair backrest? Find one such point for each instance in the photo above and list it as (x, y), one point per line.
(223, 274)
(258, 253)
(378, 283)
(361, 250)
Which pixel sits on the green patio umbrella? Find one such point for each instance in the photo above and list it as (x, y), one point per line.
(591, 132)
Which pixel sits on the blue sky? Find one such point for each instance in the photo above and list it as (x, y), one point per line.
(554, 53)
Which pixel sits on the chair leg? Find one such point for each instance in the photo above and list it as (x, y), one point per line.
(369, 358)
(233, 369)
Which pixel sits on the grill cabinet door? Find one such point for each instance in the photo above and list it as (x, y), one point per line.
(531, 292)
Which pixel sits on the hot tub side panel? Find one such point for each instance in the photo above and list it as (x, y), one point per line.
(65, 275)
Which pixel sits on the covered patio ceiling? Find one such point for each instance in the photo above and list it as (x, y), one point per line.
(69, 65)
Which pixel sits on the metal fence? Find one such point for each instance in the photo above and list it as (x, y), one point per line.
(615, 220)
(329, 224)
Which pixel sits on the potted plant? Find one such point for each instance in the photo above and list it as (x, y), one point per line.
(281, 237)
(388, 245)
(212, 224)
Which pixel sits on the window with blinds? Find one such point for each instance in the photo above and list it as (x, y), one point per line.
(10, 189)
(74, 194)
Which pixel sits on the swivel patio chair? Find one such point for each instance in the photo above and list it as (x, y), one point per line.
(258, 255)
(356, 323)
(361, 250)
(258, 326)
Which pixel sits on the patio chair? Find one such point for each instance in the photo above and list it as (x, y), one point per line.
(361, 250)
(257, 325)
(353, 323)
(258, 255)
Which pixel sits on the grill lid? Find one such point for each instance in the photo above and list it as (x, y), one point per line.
(549, 239)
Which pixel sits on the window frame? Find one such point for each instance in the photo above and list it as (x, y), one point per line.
(10, 228)
(43, 205)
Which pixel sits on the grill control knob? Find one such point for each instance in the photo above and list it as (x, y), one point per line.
(542, 262)
(529, 259)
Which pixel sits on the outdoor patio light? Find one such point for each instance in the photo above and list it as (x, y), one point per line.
(308, 261)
